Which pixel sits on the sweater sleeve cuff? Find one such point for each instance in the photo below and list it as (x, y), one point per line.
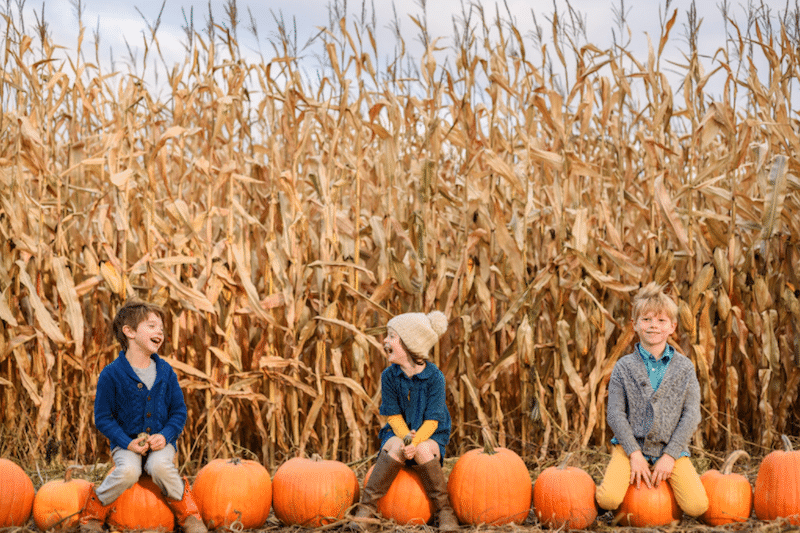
(398, 425)
(425, 431)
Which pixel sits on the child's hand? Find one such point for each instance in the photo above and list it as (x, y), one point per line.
(663, 469)
(409, 450)
(139, 444)
(157, 442)
(640, 470)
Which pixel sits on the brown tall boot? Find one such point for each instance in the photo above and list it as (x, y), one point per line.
(186, 511)
(384, 472)
(93, 515)
(432, 477)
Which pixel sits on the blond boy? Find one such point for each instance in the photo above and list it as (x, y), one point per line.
(653, 410)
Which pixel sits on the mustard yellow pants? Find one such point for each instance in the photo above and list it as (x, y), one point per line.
(684, 480)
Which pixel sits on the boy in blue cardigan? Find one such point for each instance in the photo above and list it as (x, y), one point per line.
(653, 410)
(139, 407)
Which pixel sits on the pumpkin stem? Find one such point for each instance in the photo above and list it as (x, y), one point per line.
(786, 443)
(727, 466)
(563, 464)
(235, 461)
(316, 457)
(488, 442)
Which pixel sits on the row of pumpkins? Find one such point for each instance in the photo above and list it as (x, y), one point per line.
(486, 486)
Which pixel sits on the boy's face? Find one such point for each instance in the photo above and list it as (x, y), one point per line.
(148, 335)
(654, 328)
(394, 349)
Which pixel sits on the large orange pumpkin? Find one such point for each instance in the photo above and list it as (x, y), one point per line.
(313, 492)
(141, 507)
(406, 501)
(563, 497)
(231, 490)
(58, 503)
(490, 486)
(778, 485)
(16, 495)
(648, 507)
(730, 496)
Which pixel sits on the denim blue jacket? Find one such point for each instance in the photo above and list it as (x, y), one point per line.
(417, 398)
(124, 407)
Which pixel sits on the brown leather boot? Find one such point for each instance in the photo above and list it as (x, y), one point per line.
(93, 515)
(384, 472)
(186, 511)
(432, 477)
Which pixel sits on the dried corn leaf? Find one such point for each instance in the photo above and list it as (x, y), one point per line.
(5, 312)
(46, 322)
(665, 202)
(74, 315)
(776, 193)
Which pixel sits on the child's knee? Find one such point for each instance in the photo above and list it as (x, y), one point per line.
(163, 470)
(128, 474)
(695, 505)
(608, 499)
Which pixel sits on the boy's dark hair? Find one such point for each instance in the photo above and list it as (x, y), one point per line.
(132, 313)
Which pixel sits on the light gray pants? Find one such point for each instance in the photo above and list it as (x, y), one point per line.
(159, 465)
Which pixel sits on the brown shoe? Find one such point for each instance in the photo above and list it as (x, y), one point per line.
(432, 477)
(384, 472)
(93, 515)
(186, 511)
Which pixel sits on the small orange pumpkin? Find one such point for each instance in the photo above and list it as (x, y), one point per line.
(490, 486)
(778, 484)
(231, 490)
(58, 503)
(563, 497)
(648, 507)
(313, 492)
(730, 496)
(16, 495)
(142, 507)
(406, 501)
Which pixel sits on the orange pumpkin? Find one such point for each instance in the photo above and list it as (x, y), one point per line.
(490, 486)
(16, 495)
(142, 507)
(563, 497)
(231, 490)
(313, 492)
(406, 501)
(778, 484)
(648, 507)
(59, 502)
(730, 496)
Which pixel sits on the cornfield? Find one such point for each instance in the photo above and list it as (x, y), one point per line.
(527, 188)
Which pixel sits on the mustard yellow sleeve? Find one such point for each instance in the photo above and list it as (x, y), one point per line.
(425, 431)
(399, 426)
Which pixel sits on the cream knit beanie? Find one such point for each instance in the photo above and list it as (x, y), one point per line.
(418, 331)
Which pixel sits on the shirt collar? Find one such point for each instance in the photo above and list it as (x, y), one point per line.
(425, 374)
(669, 351)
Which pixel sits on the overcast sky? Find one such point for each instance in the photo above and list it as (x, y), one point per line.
(119, 22)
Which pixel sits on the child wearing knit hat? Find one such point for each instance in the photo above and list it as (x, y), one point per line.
(418, 422)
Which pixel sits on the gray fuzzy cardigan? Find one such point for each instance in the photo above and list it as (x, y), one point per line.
(654, 422)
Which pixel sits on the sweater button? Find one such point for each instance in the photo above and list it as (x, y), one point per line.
(148, 430)
(140, 385)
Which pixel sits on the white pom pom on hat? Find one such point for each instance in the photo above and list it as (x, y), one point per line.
(419, 331)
